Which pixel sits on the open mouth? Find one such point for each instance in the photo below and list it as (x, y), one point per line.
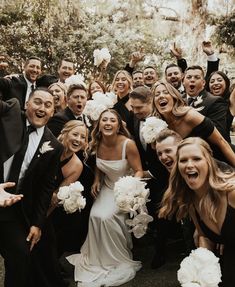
(163, 103)
(168, 163)
(192, 175)
(191, 87)
(40, 116)
(79, 106)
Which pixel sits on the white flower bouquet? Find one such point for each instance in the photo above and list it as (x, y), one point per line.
(98, 104)
(71, 197)
(200, 269)
(151, 128)
(100, 56)
(131, 196)
(77, 79)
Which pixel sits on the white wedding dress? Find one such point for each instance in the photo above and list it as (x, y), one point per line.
(106, 258)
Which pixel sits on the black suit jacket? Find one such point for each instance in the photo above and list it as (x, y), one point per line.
(38, 182)
(149, 160)
(16, 87)
(57, 122)
(215, 108)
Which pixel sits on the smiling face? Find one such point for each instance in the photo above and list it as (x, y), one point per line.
(33, 70)
(138, 79)
(65, 70)
(121, 84)
(150, 76)
(76, 139)
(193, 82)
(163, 101)
(40, 108)
(59, 97)
(217, 85)
(108, 124)
(174, 76)
(166, 151)
(193, 167)
(77, 101)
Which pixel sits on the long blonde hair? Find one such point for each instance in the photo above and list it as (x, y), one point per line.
(179, 198)
(70, 125)
(180, 108)
(128, 77)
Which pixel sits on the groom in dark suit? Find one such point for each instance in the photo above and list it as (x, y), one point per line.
(213, 107)
(141, 103)
(20, 86)
(32, 165)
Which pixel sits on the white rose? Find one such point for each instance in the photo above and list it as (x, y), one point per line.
(191, 284)
(76, 187)
(81, 202)
(70, 206)
(203, 257)
(188, 271)
(63, 193)
(210, 276)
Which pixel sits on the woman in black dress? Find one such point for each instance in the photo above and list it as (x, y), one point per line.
(197, 187)
(218, 84)
(187, 122)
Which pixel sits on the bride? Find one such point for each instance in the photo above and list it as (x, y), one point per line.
(106, 258)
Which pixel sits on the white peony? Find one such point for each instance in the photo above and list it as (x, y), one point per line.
(100, 56)
(63, 193)
(191, 284)
(201, 267)
(203, 257)
(70, 205)
(210, 276)
(81, 202)
(77, 79)
(187, 272)
(76, 187)
(151, 128)
(71, 197)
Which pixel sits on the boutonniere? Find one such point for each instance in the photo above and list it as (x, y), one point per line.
(196, 103)
(46, 147)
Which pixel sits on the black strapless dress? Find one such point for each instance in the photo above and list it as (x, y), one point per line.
(204, 130)
(227, 238)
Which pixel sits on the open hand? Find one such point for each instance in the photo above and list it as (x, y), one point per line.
(6, 198)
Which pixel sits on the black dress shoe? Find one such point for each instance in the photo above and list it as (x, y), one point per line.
(158, 261)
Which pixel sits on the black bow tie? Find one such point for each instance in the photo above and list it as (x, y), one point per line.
(142, 120)
(30, 129)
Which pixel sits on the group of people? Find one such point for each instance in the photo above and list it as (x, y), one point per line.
(47, 142)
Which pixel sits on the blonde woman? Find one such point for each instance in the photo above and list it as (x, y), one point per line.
(122, 85)
(197, 187)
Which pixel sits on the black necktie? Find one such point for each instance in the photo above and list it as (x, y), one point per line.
(19, 158)
(191, 101)
(32, 87)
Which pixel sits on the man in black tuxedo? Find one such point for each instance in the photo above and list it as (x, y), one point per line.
(141, 103)
(76, 101)
(33, 166)
(21, 86)
(212, 107)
